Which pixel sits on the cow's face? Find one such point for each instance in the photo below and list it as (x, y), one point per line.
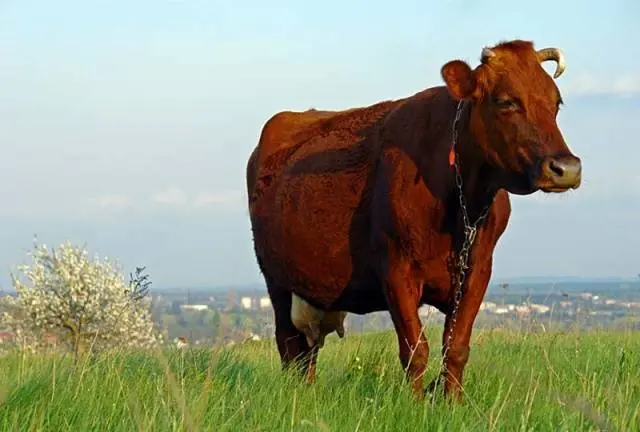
(513, 117)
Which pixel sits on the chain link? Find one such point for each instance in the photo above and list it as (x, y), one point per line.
(470, 232)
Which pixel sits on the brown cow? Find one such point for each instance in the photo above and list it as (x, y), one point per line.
(373, 208)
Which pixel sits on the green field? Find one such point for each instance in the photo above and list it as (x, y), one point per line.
(514, 382)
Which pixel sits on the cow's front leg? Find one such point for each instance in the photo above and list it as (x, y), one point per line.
(403, 294)
(457, 355)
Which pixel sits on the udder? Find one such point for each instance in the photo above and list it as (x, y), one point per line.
(314, 323)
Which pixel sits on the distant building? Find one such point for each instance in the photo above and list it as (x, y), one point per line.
(541, 309)
(195, 307)
(488, 306)
(50, 338)
(601, 313)
(265, 302)
(246, 302)
(220, 303)
(6, 336)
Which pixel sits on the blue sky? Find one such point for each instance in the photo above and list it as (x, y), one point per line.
(126, 125)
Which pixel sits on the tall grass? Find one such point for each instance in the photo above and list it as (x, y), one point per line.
(515, 381)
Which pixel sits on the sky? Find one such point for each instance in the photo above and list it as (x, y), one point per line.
(125, 125)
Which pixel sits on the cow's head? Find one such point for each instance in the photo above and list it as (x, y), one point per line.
(513, 116)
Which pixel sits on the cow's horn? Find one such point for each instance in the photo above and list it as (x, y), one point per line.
(554, 54)
(486, 54)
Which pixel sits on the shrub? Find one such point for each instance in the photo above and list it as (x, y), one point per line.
(83, 304)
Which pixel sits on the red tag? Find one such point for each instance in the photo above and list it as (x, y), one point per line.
(452, 157)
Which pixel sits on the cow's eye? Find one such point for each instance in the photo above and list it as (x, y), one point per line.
(505, 103)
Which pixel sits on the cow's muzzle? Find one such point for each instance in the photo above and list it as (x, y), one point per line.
(559, 173)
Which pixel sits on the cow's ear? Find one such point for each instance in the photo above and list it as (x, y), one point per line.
(460, 79)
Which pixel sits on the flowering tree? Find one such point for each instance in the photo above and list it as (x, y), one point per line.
(84, 303)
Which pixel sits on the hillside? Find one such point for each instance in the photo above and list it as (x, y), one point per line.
(514, 381)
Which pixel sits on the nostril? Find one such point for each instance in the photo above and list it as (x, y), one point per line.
(556, 168)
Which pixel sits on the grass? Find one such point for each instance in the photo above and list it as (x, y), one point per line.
(514, 382)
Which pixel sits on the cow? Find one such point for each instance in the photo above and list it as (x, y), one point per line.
(401, 203)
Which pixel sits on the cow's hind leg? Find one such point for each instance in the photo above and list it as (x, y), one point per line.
(294, 350)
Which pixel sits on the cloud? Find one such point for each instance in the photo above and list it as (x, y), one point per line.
(220, 198)
(111, 201)
(588, 84)
(170, 196)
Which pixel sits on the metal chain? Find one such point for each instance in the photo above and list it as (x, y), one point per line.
(470, 232)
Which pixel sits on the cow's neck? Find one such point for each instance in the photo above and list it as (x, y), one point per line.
(478, 179)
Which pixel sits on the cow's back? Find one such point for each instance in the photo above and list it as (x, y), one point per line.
(307, 183)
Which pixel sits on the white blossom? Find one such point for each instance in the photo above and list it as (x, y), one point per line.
(83, 302)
